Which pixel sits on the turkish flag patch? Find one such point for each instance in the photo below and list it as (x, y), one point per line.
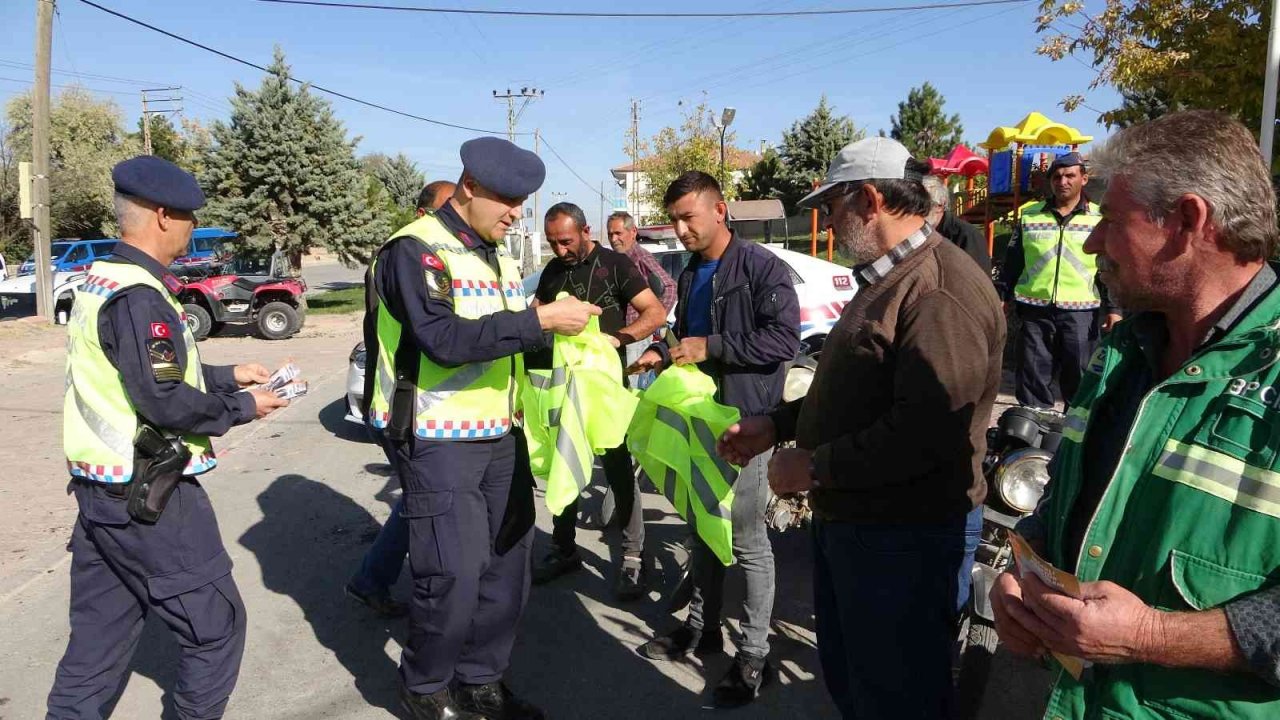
(160, 330)
(431, 261)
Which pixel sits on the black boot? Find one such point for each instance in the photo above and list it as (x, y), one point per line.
(742, 683)
(682, 641)
(495, 701)
(439, 705)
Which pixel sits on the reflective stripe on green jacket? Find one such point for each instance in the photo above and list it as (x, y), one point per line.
(1191, 517)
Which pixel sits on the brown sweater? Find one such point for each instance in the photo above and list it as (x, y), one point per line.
(897, 413)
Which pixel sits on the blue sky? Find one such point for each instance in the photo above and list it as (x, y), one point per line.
(446, 67)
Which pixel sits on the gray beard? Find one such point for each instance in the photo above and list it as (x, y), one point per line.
(856, 242)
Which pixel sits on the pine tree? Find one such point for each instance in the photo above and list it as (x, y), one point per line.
(764, 180)
(283, 174)
(399, 175)
(923, 126)
(809, 146)
(165, 140)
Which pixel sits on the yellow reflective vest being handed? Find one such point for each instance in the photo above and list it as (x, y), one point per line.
(673, 437)
(577, 409)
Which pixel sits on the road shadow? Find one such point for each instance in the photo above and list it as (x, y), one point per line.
(309, 541)
(157, 658)
(333, 416)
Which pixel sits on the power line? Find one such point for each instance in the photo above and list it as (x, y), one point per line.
(79, 87)
(319, 88)
(570, 168)
(642, 15)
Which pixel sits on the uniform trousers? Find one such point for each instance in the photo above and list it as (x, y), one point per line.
(120, 571)
(1052, 337)
(467, 599)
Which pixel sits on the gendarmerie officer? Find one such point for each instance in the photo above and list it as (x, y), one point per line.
(446, 329)
(137, 417)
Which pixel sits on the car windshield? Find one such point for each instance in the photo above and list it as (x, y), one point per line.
(56, 251)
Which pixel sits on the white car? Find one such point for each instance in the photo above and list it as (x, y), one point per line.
(20, 291)
(823, 288)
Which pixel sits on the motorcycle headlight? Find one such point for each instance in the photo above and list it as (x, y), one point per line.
(797, 383)
(1021, 478)
(358, 356)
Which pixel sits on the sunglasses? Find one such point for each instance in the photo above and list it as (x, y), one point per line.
(848, 189)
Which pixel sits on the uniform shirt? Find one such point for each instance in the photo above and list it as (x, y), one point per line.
(604, 278)
(1254, 619)
(136, 327)
(1015, 259)
(431, 325)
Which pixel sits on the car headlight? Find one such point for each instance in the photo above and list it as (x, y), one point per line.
(358, 355)
(797, 383)
(1021, 478)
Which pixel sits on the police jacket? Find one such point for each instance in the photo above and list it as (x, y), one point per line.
(755, 326)
(1188, 520)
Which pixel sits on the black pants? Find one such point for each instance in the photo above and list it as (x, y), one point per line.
(120, 571)
(629, 508)
(1052, 337)
(467, 599)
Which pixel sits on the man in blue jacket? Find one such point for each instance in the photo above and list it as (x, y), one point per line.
(738, 319)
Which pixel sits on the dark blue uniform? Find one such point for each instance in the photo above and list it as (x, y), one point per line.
(121, 569)
(468, 596)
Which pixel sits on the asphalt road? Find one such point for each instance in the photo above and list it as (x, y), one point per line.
(299, 497)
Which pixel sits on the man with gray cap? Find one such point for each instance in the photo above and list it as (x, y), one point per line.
(445, 331)
(890, 439)
(1054, 284)
(138, 414)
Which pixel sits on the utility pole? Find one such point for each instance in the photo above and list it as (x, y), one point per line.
(527, 95)
(1268, 131)
(147, 112)
(634, 194)
(40, 158)
(602, 225)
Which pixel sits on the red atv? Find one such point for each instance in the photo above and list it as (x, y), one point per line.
(251, 288)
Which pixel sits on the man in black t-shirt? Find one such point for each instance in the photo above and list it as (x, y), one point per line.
(589, 272)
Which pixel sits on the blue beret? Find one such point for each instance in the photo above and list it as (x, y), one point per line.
(1065, 160)
(503, 168)
(158, 181)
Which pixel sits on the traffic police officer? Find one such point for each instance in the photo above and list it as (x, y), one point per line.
(446, 329)
(1054, 284)
(132, 366)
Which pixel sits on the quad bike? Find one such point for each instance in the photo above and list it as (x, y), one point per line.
(258, 289)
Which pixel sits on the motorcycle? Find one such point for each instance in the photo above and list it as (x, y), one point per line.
(1016, 468)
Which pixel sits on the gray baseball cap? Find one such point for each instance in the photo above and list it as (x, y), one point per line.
(876, 158)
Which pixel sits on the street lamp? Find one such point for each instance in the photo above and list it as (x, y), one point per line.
(726, 119)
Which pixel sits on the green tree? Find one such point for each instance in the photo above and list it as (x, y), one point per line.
(764, 180)
(15, 238)
(87, 138)
(923, 126)
(399, 175)
(809, 146)
(694, 145)
(1189, 53)
(166, 142)
(284, 175)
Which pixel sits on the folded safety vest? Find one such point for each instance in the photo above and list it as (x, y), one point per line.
(673, 436)
(577, 409)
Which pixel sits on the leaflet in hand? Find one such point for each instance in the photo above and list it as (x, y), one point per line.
(284, 382)
(1029, 563)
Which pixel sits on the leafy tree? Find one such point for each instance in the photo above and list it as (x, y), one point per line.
(764, 180)
(87, 138)
(695, 145)
(1192, 53)
(1139, 107)
(166, 142)
(923, 126)
(15, 238)
(283, 173)
(399, 175)
(809, 146)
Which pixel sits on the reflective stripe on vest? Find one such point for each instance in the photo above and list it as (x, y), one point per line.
(1221, 475)
(99, 421)
(1074, 426)
(1057, 271)
(469, 402)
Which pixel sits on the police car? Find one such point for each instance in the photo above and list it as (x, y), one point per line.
(823, 288)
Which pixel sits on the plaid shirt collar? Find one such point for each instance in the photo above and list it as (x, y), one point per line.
(869, 274)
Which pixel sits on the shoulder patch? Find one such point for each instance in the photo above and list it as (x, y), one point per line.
(164, 359)
(438, 284)
(160, 330)
(432, 262)
(172, 282)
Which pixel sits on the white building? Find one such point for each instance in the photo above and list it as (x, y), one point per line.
(633, 184)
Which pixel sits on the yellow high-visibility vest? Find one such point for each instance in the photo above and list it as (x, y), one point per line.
(472, 401)
(577, 409)
(1058, 271)
(98, 419)
(673, 436)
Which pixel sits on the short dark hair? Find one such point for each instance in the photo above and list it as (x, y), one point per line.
(569, 209)
(909, 196)
(693, 181)
(429, 193)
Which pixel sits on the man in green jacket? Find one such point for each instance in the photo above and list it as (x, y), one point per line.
(1165, 498)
